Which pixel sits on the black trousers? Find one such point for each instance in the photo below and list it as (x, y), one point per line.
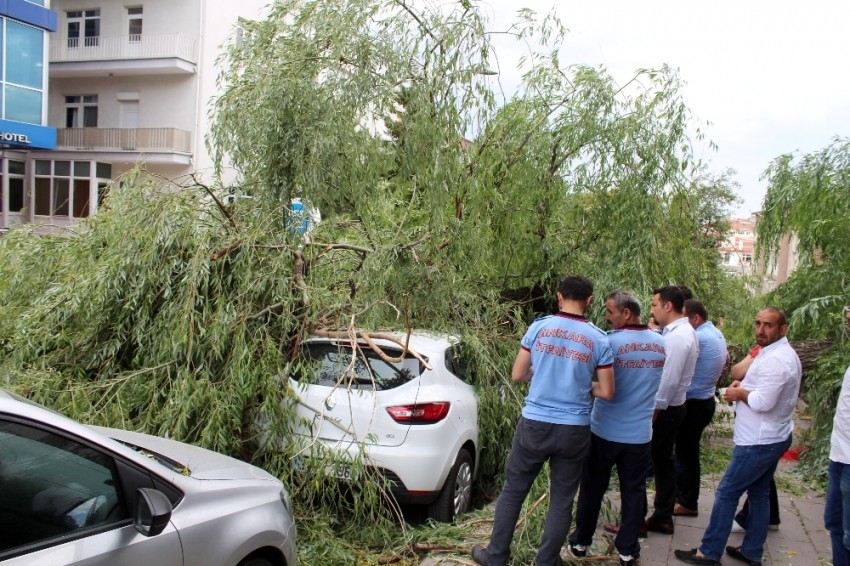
(664, 431)
(742, 515)
(632, 461)
(698, 416)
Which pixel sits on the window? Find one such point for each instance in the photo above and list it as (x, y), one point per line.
(53, 486)
(23, 81)
(83, 28)
(329, 364)
(14, 197)
(134, 23)
(68, 188)
(17, 169)
(81, 111)
(26, 45)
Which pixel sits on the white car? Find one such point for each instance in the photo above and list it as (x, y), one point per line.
(72, 494)
(414, 418)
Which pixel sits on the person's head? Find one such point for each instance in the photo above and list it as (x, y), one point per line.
(622, 308)
(695, 312)
(576, 288)
(770, 325)
(667, 303)
(846, 314)
(687, 294)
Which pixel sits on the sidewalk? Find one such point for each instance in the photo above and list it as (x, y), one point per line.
(800, 541)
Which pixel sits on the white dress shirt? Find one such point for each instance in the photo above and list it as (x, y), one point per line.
(840, 448)
(773, 380)
(682, 348)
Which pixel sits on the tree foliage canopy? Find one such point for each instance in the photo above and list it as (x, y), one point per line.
(807, 205)
(175, 314)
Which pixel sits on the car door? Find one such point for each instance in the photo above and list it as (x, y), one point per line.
(62, 503)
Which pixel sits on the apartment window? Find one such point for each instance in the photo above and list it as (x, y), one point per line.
(36, 2)
(68, 188)
(83, 28)
(81, 111)
(134, 23)
(22, 94)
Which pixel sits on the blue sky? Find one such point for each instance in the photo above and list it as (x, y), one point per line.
(771, 77)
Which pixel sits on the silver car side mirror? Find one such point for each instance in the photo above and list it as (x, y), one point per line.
(151, 512)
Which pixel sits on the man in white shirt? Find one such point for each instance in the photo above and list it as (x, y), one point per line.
(836, 515)
(764, 419)
(682, 348)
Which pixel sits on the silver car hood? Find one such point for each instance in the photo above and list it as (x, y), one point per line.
(202, 464)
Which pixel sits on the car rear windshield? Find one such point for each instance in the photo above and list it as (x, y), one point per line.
(360, 368)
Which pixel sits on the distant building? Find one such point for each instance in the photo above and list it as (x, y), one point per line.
(736, 253)
(784, 264)
(24, 29)
(130, 82)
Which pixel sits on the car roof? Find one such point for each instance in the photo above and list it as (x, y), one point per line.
(425, 342)
(20, 407)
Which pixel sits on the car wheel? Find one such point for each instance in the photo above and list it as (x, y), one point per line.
(255, 561)
(456, 495)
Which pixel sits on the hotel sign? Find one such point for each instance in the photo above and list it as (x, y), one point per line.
(26, 136)
(16, 138)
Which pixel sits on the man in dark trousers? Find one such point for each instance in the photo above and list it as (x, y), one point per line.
(559, 355)
(622, 429)
(700, 402)
(682, 349)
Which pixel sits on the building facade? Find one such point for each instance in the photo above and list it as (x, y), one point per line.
(25, 26)
(736, 253)
(130, 83)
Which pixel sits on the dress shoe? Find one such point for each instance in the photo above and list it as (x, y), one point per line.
(735, 552)
(657, 526)
(615, 528)
(682, 511)
(690, 557)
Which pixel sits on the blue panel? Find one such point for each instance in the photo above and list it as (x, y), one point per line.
(29, 13)
(26, 136)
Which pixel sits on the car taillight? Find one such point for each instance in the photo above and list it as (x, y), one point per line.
(420, 414)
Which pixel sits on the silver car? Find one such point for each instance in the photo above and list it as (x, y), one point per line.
(72, 494)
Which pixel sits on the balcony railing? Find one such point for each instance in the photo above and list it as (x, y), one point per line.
(123, 47)
(124, 139)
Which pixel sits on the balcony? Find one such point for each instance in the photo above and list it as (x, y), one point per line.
(123, 55)
(134, 140)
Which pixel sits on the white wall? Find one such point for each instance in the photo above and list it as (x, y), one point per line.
(219, 25)
(176, 101)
